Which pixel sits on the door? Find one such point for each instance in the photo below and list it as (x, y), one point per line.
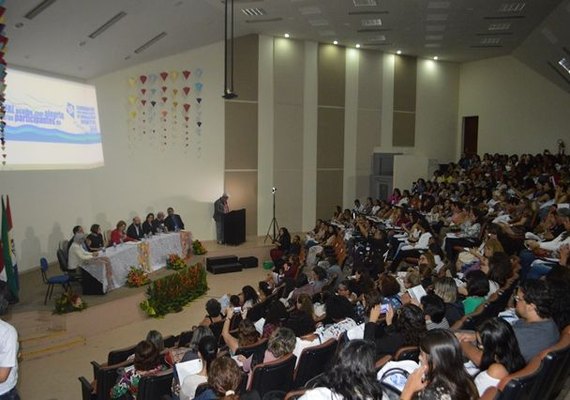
(470, 128)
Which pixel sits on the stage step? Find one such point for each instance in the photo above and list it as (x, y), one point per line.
(220, 260)
(249, 262)
(225, 268)
(49, 343)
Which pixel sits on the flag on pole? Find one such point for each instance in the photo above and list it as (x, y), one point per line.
(8, 251)
(12, 242)
(2, 273)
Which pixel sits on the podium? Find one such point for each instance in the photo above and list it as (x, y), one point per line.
(234, 227)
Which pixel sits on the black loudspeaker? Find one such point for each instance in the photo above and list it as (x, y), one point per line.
(249, 262)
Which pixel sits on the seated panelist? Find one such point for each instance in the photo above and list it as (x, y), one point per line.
(119, 235)
(135, 230)
(173, 221)
(148, 224)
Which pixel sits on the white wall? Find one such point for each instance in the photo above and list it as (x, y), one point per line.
(408, 168)
(139, 176)
(519, 110)
(437, 95)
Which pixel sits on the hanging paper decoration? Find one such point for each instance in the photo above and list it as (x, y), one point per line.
(3, 42)
(157, 116)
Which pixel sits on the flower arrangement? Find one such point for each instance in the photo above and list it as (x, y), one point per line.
(198, 248)
(175, 262)
(137, 277)
(173, 292)
(69, 302)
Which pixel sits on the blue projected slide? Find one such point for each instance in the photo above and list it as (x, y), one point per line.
(51, 123)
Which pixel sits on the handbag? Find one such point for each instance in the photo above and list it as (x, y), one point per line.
(393, 382)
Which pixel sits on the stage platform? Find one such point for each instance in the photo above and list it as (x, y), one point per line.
(42, 332)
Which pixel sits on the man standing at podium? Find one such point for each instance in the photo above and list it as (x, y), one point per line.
(220, 208)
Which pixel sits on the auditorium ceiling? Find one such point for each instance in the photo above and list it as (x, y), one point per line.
(88, 38)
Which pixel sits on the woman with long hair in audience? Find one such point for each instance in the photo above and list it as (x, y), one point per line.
(351, 377)
(182, 354)
(446, 288)
(389, 288)
(275, 316)
(282, 244)
(247, 334)
(494, 350)
(441, 374)
(147, 363)
(281, 343)
(403, 327)
(207, 350)
(477, 290)
(248, 298)
(305, 305)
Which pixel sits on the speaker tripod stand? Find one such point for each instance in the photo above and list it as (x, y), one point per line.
(273, 224)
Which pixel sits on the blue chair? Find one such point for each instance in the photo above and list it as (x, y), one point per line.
(62, 280)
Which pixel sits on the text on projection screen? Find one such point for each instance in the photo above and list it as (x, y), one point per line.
(50, 123)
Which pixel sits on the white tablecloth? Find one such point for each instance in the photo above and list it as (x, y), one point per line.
(126, 255)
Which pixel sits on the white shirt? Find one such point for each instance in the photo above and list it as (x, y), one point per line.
(8, 355)
(77, 256)
(301, 345)
(188, 387)
(556, 243)
(483, 381)
(323, 393)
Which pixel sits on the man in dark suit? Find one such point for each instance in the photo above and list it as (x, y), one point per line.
(220, 208)
(173, 222)
(135, 230)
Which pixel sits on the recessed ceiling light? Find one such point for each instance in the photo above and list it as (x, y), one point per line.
(357, 45)
(254, 12)
(565, 63)
(372, 22)
(287, 35)
(335, 42)
(398, 52)
(436, 58)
